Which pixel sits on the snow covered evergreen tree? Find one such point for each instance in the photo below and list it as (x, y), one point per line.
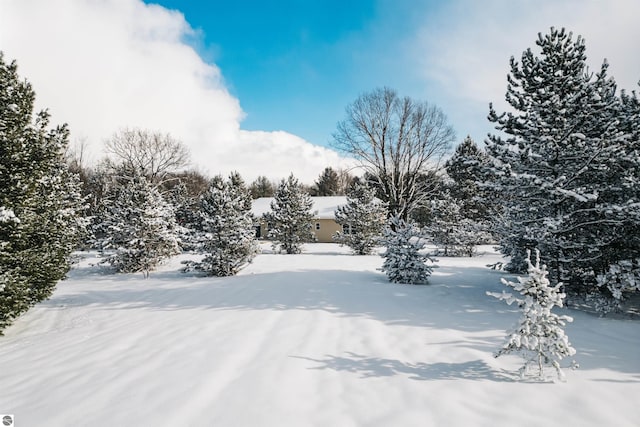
(328, 183)
(623, 278)
(403, 261)
(539, 335)
(40, 200)
(450, 230)
(183, 191)
(187, 212)
(228, 237)
(459, 213)
(139, 226)
(290, 217)
(261, 187)
(558, 168)
(466, 169)
(362, 219)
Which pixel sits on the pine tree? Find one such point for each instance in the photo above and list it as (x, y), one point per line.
(139, 227)
(403, 261)
(328, 183)
(362, 219)
(261, 187)
(228, 240)
(556, 169)
(466, 169)
(539, 335)
(450, 230)
(187, 214)
(290, 217)
(183, 191)
(40, 200)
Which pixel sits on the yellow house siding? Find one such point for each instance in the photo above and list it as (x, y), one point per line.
(323, 229)
(323, 225)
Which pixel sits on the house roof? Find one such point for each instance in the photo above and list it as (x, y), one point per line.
(323, 206)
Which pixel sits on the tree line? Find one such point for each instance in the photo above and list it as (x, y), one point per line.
(560, 177)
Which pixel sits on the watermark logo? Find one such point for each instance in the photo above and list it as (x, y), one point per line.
(7, 420)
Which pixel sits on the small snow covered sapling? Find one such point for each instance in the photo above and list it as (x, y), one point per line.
(403, 261)
(539, 335)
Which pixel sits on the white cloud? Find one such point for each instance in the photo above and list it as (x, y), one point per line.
(465, 48)
(104, 65)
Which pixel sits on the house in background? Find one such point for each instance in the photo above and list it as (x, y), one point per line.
(323, 224)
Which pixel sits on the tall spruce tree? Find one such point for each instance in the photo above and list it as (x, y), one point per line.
(556, 167)
(228, 237)
(362, 219)
(40, 200)
(290, 217)
(139, 227)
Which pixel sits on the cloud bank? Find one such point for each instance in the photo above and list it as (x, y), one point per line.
(464, 49)
(103, 65)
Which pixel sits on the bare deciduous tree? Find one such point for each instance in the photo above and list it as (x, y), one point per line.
(396, 140)
(152, 154)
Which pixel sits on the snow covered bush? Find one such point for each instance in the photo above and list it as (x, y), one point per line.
(362, 219)
(228, 238)
(622, 277)
(139, 227)
(539, 335)
(290, 217)
(40, 202)
(403, 261)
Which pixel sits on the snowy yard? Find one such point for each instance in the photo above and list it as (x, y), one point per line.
(317, 339)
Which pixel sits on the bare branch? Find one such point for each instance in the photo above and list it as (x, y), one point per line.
(151, 154)
(396, 140)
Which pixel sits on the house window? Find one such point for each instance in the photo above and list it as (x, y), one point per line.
(346, 228)
(317, 226)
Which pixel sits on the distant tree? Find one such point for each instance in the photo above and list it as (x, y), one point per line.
(396, 141)
(186, 208)
(150, 154)
(261, 187)
(290, 217)
(238, 186)
(466, 168)
(40, 202)
(458, 217)
(345, 180)
(328, 183)
(539, 335)
(183, 191)
(195, 182)
(452, 231)
(362, 219)
(138, 228)
(228, 238)
(403, 260)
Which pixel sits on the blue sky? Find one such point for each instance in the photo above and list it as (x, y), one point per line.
(295, 64)
(258, 86)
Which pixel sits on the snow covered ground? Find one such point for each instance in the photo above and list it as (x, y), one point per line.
(317, 339)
